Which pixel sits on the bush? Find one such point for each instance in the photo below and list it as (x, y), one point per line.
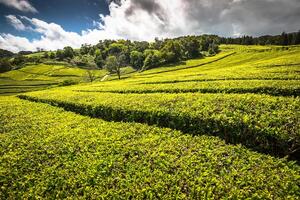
(68, 82)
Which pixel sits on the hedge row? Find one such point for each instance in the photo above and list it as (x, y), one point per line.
(270, 87)
(263, 123)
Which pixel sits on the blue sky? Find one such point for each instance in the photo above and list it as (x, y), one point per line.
(54, 24)
(72, 15)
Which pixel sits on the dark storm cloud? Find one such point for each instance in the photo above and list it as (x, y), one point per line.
(254, 17)
(228, 17)
(150, 6)
(258, 17)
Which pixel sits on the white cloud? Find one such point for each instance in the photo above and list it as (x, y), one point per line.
(15, 22)
(15, 43)
(53, 36)
(147, 19)
(22, 5)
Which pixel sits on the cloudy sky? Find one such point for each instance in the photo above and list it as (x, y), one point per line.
(54, 24)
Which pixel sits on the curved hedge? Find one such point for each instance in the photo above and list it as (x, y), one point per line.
(263, 123)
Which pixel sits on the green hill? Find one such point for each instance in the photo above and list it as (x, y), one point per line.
(225, 126)
(42, 76)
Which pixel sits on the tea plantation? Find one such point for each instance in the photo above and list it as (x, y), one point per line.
(42, 76)
(220, 127)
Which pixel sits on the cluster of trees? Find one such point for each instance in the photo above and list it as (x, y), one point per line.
(116, 54)
(283, 39)
(113, 55)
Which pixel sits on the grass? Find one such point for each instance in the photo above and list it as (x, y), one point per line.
(221, 127)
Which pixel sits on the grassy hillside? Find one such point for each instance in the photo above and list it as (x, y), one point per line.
(221, 127)
(42, 76)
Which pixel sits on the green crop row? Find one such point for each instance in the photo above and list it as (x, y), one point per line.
(271, 87)
(47, 153)
(264, 123)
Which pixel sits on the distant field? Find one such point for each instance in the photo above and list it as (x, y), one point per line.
(226, 126)
(42, 76)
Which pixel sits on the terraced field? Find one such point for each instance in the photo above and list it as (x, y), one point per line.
(42, 76)
(222, 127)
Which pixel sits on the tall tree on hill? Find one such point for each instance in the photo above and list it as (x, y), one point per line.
(68, 52)
(114, 64)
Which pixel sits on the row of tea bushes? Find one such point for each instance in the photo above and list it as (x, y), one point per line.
(271, 87)
(264, 123)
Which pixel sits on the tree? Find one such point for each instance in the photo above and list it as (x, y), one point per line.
(60, 54)
(68, 52)
(99, 59)
(172, 52)
(192, 48)
(91, 76)
(19, 60)
(213, 49)
(114, 64)
(85, 49)
(297, 40)
(136, 60)
(46, 55)
(52, 55)
(5, 65)
(284, 39)
(116, 49)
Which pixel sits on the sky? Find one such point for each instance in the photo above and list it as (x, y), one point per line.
(26, 25)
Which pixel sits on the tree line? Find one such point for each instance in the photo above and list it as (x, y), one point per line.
(284, 39)
(140, 55)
